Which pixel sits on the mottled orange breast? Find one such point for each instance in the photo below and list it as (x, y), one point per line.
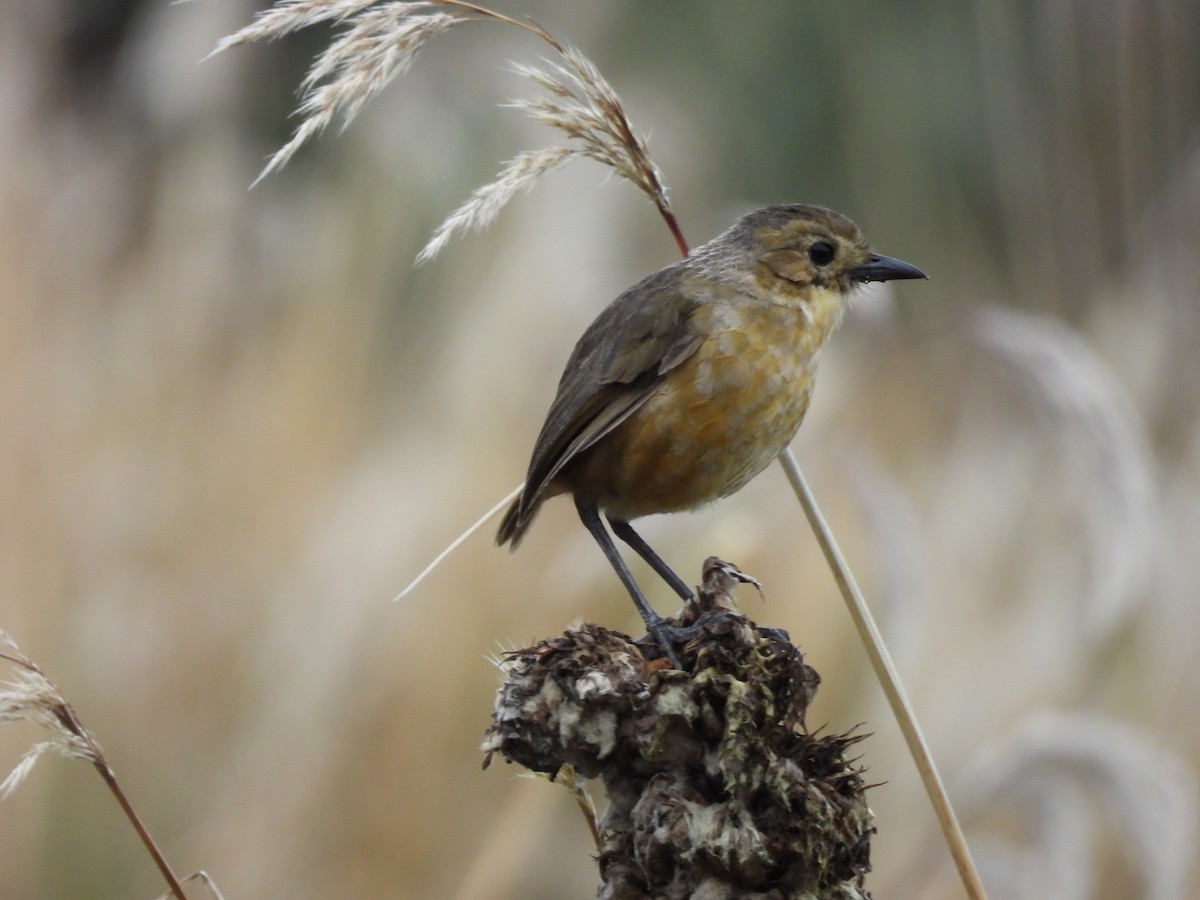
(719, 418)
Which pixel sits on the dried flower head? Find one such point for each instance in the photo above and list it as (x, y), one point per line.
(715, 787)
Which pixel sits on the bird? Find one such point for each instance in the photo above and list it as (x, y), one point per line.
(689, 383)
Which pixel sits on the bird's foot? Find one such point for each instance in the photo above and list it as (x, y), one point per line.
(669, 636)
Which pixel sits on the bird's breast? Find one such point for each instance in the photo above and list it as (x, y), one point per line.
(718, 419)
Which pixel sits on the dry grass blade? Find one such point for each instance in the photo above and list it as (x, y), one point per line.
(577, 787)
(454, 544)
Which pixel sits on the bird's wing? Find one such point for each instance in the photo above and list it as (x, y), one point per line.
(616, 366)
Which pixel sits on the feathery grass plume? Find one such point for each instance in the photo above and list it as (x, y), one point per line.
(382, 40)
(32, 697)
(480, 210)
(583, 104)
(580, 103)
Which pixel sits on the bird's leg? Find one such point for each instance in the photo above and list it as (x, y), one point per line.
(625, 532)
(655, 623)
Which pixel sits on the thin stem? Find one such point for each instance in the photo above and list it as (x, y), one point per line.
(659, 195)
(673, 224)
(530, 26)
(66, 714)
(164, 867)
(885, 671)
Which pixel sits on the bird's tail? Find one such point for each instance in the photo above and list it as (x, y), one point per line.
(516, 521)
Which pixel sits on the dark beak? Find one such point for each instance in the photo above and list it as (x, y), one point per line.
(885, 268)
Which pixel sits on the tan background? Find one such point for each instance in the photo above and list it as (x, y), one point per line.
(233, 423)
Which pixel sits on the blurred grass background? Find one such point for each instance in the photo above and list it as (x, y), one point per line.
(236, 422)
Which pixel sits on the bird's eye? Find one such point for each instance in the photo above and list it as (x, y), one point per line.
(822, 253)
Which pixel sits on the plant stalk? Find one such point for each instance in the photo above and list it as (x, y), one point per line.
(66, 715)
(889, 679)
(159, 860)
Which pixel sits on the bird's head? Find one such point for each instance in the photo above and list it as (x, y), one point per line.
(797, 246)
(810, 245)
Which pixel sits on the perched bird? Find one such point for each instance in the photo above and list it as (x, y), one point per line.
(689, 383)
